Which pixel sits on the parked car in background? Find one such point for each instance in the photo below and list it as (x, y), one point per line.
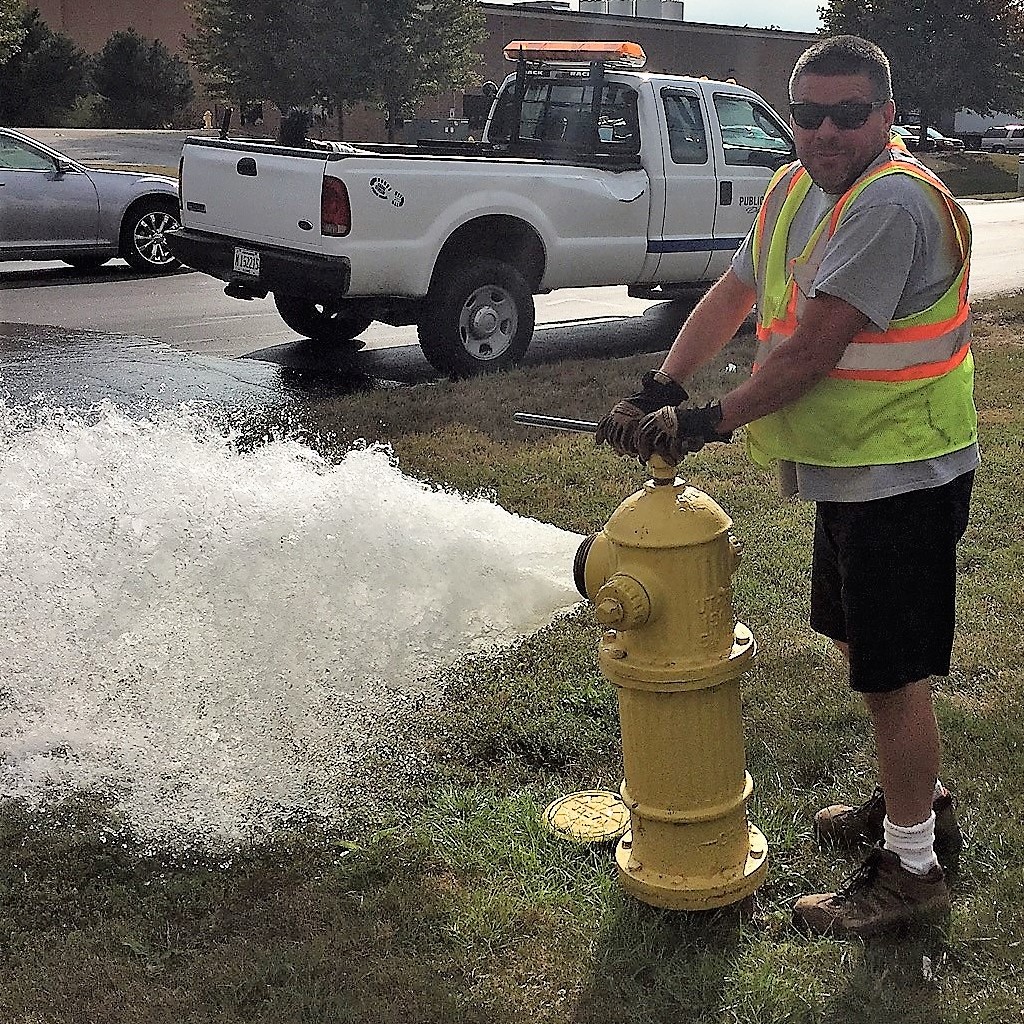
(935, 141)
(54, 208)
(902, 133)
(1006, 138)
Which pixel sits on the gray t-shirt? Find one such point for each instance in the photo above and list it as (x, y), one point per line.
(894, 254)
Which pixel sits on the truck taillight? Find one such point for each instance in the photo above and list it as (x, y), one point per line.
(335, 211)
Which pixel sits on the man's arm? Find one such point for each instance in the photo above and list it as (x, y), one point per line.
(827, 326)
(710, 327)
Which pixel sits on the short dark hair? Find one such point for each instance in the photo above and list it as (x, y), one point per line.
(846, 55)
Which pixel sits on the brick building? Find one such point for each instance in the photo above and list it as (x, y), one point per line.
(756, 57)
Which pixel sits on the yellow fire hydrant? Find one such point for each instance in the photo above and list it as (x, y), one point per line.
(660, 577)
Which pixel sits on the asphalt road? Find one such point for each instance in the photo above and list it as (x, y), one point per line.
(126, 145)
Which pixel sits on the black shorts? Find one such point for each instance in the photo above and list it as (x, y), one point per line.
(884, 581)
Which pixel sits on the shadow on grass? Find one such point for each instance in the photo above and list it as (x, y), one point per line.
(294, 931)
(660, 966)
(895, 979)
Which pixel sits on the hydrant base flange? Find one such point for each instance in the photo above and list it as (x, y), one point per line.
(679, 892)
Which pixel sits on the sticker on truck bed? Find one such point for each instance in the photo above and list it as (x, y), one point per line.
(383, 189)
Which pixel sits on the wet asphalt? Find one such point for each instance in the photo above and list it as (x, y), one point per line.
(68, 369)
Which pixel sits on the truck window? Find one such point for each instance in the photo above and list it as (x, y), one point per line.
(560, 111)
(752, 136)
(687, 138)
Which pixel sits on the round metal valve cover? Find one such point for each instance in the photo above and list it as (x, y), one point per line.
(591, 816)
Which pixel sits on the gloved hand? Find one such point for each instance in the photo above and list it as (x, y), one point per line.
(618, 428)
(673, 431)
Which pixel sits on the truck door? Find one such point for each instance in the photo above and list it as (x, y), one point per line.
(754, 144)
(683, 203)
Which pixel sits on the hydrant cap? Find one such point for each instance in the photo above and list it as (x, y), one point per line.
(667, 517)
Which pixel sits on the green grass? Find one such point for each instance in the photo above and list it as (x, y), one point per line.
(443, 899)
(976, 175)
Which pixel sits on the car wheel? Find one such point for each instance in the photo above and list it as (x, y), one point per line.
(143, 243)
(85, 262)
(328, 322)
(477, 318)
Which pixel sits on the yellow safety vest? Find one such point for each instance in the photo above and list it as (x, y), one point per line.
(895, 396)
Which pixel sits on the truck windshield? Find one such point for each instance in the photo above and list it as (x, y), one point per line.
(561, 111)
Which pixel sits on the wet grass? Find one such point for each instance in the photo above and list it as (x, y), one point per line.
(443, 899)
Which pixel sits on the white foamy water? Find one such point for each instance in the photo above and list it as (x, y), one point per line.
(204, 633)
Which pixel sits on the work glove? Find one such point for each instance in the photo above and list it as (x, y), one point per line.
(675, 430)
(618, 428)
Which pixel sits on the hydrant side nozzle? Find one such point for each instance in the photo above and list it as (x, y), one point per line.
(623, 603)
(591, 566)
(579, 565)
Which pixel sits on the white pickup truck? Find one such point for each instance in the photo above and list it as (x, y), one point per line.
(590, 172)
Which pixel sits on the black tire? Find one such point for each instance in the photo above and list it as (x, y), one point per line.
(478, 318)
(143, 243)
(85, 262)
(327, 322)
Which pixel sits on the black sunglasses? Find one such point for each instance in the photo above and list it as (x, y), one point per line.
(848, 114)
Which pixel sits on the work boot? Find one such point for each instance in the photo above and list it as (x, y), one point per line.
(854, 827)
(882, 895)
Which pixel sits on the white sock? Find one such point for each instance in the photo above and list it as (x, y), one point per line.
(914, 844)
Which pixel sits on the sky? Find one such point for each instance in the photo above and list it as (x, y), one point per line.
(797, 15)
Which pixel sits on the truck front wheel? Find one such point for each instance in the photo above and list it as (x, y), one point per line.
(477, 318)
(327, 322)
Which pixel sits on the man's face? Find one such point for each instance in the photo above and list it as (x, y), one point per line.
(835, 157)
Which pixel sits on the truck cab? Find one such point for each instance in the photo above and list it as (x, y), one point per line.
(714, 143)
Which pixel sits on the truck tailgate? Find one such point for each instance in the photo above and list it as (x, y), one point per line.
(253, 193)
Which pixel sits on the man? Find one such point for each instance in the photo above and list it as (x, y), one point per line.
(862, 394)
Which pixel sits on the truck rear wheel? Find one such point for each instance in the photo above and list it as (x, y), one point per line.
(478, 318)
(329, 322)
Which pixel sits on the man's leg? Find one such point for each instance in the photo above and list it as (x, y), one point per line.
(907, 738)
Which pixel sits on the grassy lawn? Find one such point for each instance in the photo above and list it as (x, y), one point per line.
(977, 175)
(443, 899)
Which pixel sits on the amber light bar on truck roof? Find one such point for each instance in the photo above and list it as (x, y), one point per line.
(622, 54)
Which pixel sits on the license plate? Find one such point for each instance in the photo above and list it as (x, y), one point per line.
(247, 261)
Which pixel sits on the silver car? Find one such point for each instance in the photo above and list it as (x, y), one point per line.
(54, 208)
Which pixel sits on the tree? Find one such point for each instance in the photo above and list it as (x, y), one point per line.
(11, 30)
(264, 49)
(40, 83)
(334, 52)
(426, 48)
(945, 54)
(140, 82)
